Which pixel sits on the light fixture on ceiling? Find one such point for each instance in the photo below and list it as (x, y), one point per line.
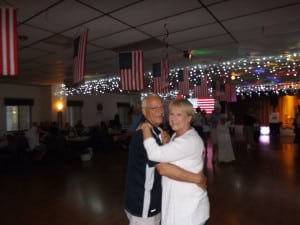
(187, 54)
(198, 52)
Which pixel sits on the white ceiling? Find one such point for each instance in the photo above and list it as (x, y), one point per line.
(230, 28)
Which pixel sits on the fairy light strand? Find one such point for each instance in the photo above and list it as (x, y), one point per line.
(260, 76)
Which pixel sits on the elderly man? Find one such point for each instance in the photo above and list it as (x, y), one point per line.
(143, 182)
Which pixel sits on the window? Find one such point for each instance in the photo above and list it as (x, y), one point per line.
(18, 114)
(74, 112)
(123, 109)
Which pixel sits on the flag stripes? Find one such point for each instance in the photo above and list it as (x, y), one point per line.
(160, 76)
(226, 93)
(207, 104)
(132, 70)
(8, 42)
(79, 57)
(184, 83)
(165, 70)
(201, 90)
(157, 78)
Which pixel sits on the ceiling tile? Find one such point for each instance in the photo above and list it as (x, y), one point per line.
(109, 6)
(120, 39)
(64, 16)
(237, 8)
(195, 34)
(177, 23)
(98, 28)
(148, 11)
(30, 35)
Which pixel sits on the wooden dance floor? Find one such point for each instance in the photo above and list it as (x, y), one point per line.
(261, 187)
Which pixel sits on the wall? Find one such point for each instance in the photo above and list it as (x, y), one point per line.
(287, 107)
(41, 109)
(90, 114)
(43, 104)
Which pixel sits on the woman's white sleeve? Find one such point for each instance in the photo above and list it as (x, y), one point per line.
(170, 152)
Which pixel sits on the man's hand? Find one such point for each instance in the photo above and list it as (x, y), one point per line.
(202, 180)
(165, 137)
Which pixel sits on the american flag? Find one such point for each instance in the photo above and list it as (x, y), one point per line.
(184, 83)
(218, 90)
(225, 92)
(132, 70)
(228, 92)
(160, 76)
(79, 57)
(8, 42)
(207, 104)
(201, 88)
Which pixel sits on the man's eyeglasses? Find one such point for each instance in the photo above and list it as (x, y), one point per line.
(155, 108)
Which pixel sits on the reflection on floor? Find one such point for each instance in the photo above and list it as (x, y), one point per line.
(261, 187)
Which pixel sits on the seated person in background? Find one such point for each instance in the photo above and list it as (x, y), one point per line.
(55, 140)
(37, 149)
(79, 128)
(3, 142)
(99, 135)
(66, 129)
(137, 117)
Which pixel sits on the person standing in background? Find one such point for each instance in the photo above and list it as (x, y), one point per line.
(214, 120)
(225, 149)
(297, 127)
(205, 129)
(197, 122)
(231, 121)
(274, 123)
(248, 128)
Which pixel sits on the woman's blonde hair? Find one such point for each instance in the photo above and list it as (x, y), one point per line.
(183, 104)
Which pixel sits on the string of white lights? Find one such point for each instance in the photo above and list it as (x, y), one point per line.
(255, 76)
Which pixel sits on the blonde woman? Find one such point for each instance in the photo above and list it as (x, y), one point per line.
(182, 202)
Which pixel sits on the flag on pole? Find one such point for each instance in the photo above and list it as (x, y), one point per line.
(160, 73)
(79, 57)
(165, 71)
(233, 93)
(226, 90)
(221, 92)
(132, 70)
(156, 71)
(8, 42)
(218, 89)
(184, 83)
(201, 88)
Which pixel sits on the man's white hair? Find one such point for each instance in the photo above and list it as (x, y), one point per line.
(144, 101)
